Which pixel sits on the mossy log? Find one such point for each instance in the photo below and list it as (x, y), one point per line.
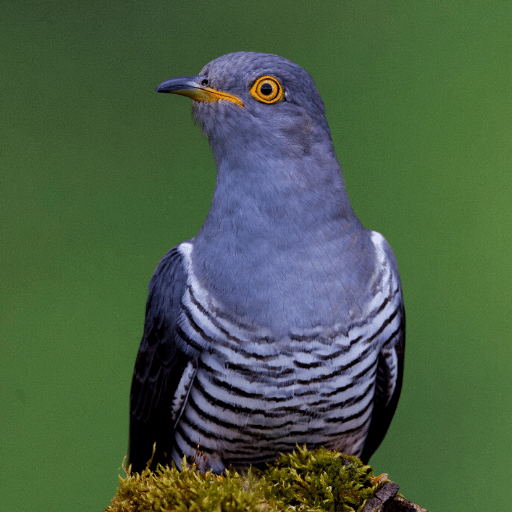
(315, 481)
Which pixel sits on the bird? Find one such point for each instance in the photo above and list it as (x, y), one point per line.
(281, 322)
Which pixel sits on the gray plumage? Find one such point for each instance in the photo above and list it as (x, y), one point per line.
(281, 321)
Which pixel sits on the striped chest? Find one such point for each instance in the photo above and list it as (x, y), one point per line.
(253, 406)
(248, 395)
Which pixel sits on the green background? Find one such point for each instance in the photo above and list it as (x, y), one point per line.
(100, 176)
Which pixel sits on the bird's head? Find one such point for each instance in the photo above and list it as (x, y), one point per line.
(255, 101)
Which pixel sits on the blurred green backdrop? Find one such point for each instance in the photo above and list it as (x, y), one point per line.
(100, 176)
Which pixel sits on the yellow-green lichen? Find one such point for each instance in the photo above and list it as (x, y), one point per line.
(316, 481)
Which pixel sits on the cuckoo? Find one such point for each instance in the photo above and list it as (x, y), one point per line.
(282, 321)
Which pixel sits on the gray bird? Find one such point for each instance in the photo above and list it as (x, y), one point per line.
(281, 322)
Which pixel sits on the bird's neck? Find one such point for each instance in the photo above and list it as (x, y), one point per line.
(276, 231)
(278, 199)
(276, 207)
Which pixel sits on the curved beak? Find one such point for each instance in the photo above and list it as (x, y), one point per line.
(192, 86)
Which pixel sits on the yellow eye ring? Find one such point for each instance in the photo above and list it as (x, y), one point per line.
(267, 89)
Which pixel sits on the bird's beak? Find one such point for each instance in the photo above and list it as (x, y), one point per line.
(192, 86)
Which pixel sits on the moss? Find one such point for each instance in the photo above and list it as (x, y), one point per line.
(319, 480)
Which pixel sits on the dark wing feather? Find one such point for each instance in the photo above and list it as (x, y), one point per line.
(159, 366)
(383, 410)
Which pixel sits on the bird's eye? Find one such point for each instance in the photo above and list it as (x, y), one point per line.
(267, 89)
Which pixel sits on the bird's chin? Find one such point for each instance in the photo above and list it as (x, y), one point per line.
(219, 120)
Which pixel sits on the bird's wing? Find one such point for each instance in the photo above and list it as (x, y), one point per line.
(390, 364)
(164, 368)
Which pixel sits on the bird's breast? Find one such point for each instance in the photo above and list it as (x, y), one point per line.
(255, 395)
(299, 284)
(259, 391)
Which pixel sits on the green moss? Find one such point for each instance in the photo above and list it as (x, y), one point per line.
(319, 480)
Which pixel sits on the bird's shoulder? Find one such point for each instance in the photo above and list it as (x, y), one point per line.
(385, 280)
(384, 253)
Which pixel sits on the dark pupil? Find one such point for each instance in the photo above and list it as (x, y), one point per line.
(266, 89)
